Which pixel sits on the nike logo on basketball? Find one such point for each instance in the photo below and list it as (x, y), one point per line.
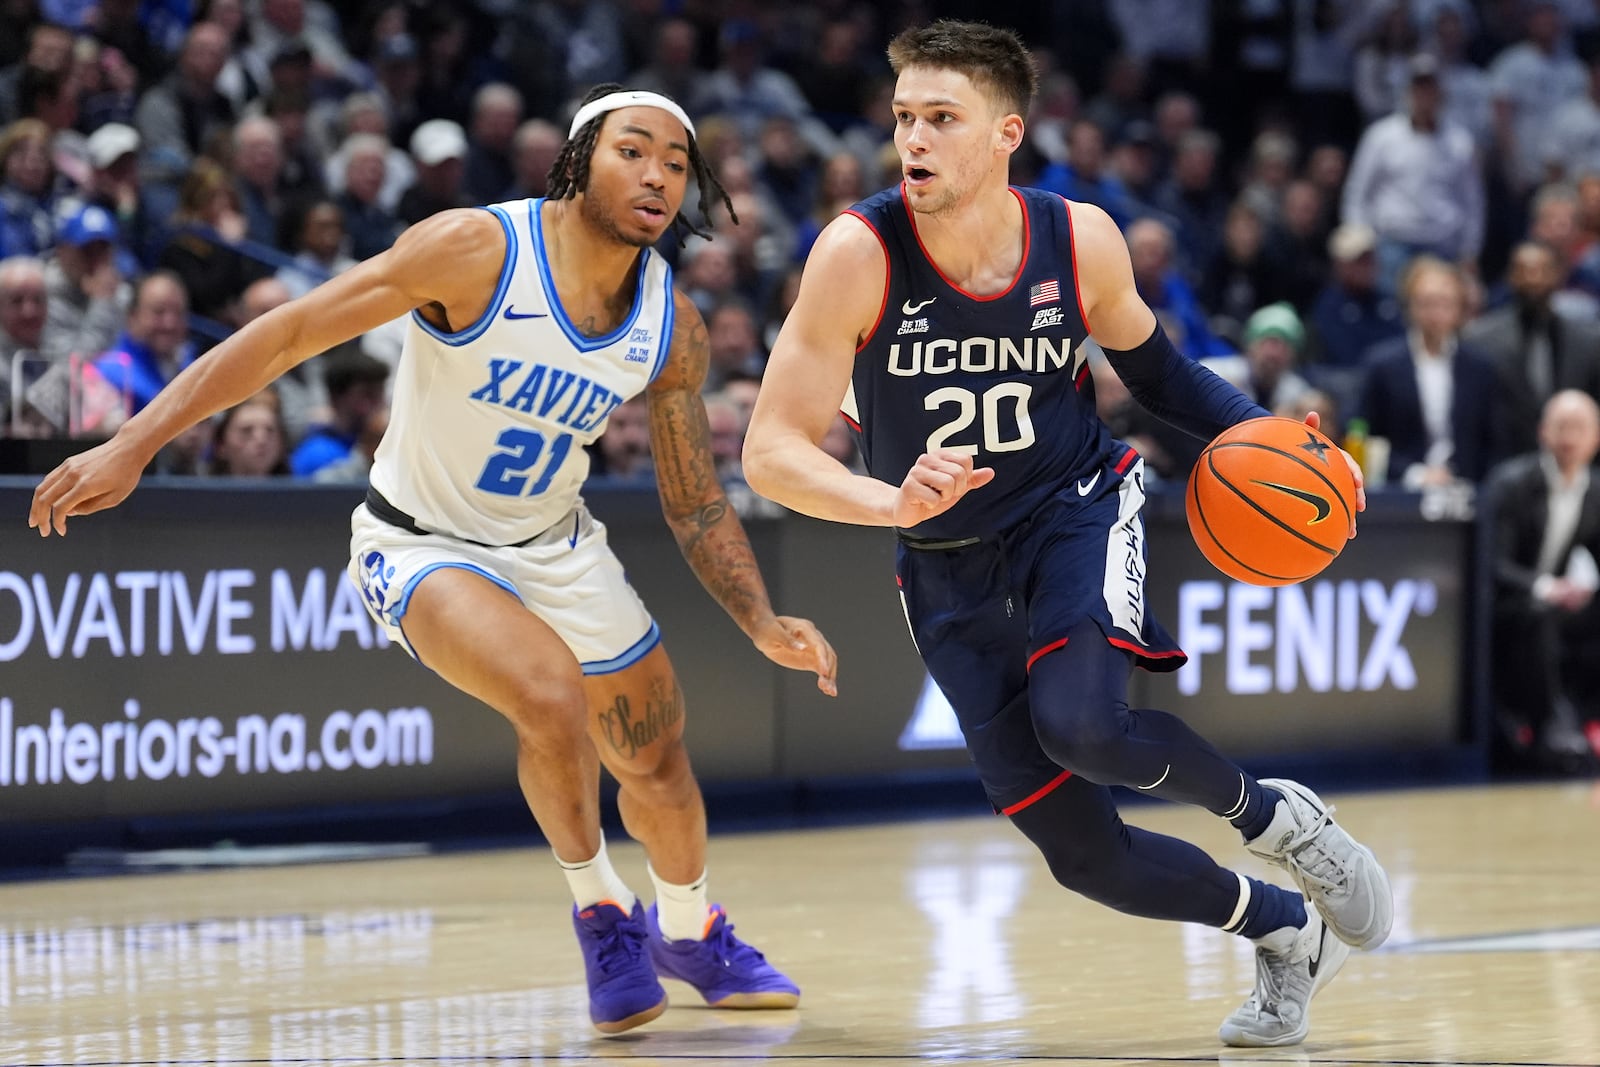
(1085, 487)
(1324, 509)
(510, 314)
(911, 309)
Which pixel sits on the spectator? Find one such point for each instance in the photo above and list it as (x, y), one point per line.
(22, 309)
(439, 148)
(744, 88)
(1247, 275)
(258, 162)
(49, 49)
(1382, 64)
(355, 384)
(1537, 351)
(203, 250)
(250, 441)
(113, 184)
(496, 113)
(155, 346)
(357, 466)
(672, 70)
(1432, 397)
(1273, 339)
(727, 446)
(1351, 316)
(1415, 181)
(1545, 512)
(87, 299)
(179, 118)
(623, 450)
(371, 227)
(26, 177)
(1083, 175)
(734, 340)
(313, 231)
(1573, 144)
(365, 113)
(1300, 244)
(301, 173)
(1466, 85)
(1150, 247)
(302, 396)
(534, 151)
(1193, 199)
(1529, 82)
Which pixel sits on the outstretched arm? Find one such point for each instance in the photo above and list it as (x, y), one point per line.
(707, 529)
(363, 298)
(841, 295)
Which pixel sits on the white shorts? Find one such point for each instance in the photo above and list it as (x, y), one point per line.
(567, 576)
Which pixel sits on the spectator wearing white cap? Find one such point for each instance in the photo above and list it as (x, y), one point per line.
(1350, 315)
(439, 149)
(112, 183)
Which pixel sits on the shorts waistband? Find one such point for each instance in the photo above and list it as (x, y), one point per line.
(380, 507)
(931, 544)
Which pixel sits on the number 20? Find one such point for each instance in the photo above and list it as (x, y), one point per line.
(966, 402)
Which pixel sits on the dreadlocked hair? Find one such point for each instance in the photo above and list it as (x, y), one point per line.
(569, 174)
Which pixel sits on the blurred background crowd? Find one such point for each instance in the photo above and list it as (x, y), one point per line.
(1387, 211)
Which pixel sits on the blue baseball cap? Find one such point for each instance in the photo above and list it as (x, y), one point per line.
(92, 223)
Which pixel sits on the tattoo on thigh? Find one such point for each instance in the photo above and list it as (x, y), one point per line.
(628, 731)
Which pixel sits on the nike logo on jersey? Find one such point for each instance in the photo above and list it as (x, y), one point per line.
(911, 309)
(514, 314)
(1324, 509)
(1085, 487)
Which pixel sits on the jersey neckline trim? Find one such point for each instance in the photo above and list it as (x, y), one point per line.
(508, 269)
(1022, 266)
(553, 299)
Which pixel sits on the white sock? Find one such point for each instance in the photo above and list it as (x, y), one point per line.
(681, 910)
(595, 880)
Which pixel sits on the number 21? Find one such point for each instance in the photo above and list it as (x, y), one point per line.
(506, 473)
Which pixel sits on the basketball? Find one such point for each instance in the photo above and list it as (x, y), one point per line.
(1271, 501)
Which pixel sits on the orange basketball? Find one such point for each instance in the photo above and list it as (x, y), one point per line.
(1271, 502)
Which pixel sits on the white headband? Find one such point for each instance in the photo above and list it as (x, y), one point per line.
(627, 98)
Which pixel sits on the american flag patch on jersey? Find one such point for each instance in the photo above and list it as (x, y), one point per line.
(1045, 293)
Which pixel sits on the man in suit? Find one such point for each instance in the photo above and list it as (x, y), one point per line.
(1536, 350)
(1431, 396)
(1544, 509)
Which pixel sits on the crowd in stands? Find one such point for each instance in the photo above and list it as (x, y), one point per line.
(1387, 211)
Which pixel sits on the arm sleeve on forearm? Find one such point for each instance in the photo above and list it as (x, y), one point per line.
(1179, 391)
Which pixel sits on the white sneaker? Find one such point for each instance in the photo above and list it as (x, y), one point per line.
(1291, 966)
(1342, 878)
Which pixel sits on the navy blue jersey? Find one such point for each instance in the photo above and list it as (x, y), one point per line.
(1001, 377)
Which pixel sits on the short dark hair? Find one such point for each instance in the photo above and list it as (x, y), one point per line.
(569, 174)
(346, 370)
(994, 59)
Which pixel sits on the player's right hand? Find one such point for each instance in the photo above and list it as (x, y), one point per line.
(91, 481)
(935, 483)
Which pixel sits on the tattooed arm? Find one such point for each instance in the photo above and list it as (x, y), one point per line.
(706, 527)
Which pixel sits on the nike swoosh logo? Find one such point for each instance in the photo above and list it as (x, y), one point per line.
(1316, 961)
(911, 309)
(510, 314)
(1324, 509)
(572, 542)
(1084, 487)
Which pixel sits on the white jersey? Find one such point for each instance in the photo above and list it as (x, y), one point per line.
(488, 425)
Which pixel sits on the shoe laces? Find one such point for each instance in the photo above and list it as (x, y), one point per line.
(1312, 858)
(729, 949)
(620, 946)
(1273, 974)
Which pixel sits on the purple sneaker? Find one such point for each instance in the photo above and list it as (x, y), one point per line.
(623, 990)
(724, 970)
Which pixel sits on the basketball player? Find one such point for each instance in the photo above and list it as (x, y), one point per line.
(950, 313)
(530, 322)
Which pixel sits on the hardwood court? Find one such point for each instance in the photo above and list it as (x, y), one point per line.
(918, 942)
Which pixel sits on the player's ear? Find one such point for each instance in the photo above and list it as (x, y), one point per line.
(1008, 138)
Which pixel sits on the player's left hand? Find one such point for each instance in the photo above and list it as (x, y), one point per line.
(1314, 421)
(800, 646)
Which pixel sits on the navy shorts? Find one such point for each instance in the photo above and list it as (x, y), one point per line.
(981, 613)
